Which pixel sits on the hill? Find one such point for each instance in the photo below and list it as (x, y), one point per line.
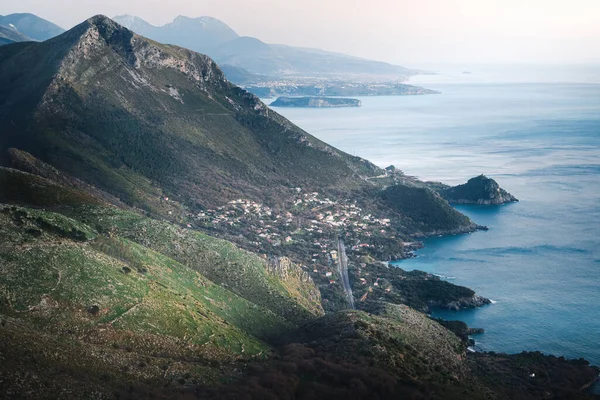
(399, 353)
(158, 129)
(95, 285)
(212, 37)
(478, 190)
(32, 26)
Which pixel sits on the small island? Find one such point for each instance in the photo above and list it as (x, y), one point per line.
(478, 190)
(316, 102)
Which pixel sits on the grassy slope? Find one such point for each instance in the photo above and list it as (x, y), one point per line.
(352, 354)
(56, 269)
(294, 298)
(117, 312)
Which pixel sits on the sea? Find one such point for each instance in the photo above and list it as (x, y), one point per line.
(537, 133)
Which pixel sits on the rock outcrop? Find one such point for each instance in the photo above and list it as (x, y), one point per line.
(478, 190)
(467, 302)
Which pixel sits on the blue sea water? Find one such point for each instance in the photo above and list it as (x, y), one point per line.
(540, 260)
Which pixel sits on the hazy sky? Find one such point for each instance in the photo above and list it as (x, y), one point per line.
(411, 32)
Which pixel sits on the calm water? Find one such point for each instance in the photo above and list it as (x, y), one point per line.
(540, 260)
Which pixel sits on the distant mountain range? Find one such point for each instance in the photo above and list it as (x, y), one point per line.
(214, 38)
(247, 58)
(199, 34)
(26, 27)
(8, 34)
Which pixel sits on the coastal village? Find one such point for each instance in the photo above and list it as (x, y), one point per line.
(309, 229)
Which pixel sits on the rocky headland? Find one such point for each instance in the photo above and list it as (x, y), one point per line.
(479, 190)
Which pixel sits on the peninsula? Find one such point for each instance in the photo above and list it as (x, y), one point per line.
(316, 102)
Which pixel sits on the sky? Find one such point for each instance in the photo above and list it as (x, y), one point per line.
(412, 33)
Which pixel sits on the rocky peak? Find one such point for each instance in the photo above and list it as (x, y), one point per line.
(113, 33)
(99, 36)
(101, 20)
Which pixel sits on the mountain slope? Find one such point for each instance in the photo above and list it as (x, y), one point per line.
(212, 37)
(108, 288)
(32, 26)
(426, 213)
(268, 59)
(88, 103)
(86, 281)
(400, 354)
(286, 294)
(11, 35)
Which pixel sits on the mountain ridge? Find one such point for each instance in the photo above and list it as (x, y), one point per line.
(266, 59)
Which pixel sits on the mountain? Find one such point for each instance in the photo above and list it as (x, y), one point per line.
(268, 59)
(212, 37)
(201, 34)
(143, 122)
(9, 35)
(478, 190)
(97, 301)
(157, 120)
(32, 26)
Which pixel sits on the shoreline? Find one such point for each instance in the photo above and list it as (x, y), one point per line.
(591, 387)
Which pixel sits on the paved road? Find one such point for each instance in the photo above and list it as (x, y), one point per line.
(343, 267)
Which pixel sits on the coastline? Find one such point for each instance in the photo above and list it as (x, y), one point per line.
(592, 387)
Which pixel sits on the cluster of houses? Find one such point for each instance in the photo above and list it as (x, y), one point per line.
(311, 215)
(311, 223)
